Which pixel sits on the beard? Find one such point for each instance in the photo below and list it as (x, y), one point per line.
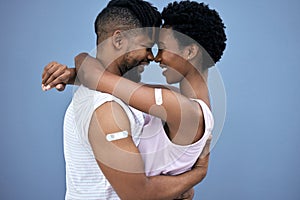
(133, 75)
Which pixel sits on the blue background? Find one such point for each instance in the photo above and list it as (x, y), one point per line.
(257, 155)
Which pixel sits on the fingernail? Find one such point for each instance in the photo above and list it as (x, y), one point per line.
(48, 87)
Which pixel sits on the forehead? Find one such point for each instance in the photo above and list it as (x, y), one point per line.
(143, 38)
(167, 39)
(166, 35)
(145, 35)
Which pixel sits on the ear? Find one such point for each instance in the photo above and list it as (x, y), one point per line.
(118, 39)
(191, 51)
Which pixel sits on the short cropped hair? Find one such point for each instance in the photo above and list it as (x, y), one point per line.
(199, 22)
(144, 11)
(125, 15)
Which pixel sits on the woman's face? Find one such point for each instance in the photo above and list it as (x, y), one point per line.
(170, 57)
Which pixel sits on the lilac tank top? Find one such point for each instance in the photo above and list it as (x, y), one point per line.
(161, 156)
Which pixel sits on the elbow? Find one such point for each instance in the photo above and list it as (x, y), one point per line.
(203, 174)
(79, 59)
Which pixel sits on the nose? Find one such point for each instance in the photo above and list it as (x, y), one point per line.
(158, 57)
(150, 56)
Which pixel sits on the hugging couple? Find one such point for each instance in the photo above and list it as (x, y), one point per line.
(128, 140)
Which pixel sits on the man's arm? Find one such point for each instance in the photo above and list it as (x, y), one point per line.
(122, 164)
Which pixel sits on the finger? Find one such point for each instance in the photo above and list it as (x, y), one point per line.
(46, 69)
(188, 194)
(56, 71)
(182, 196)
(55, 83)
(43, 87)
(59, 79)
(60, 87)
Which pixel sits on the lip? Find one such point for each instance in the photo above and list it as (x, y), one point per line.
(141, 68)
(144, 63)
(164, 68)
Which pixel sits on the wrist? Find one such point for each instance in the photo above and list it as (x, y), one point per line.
(72, 75)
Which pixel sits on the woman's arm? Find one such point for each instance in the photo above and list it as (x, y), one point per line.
(181, 114)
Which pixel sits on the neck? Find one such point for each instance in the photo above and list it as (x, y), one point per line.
(194, 85)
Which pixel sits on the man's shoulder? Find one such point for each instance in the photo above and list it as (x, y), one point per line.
(103, 104)
(85, 102)
(111, 117)
(86, 95)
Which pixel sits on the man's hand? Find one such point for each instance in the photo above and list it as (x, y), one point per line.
(203, 159)
(57, 75)
(188, 195)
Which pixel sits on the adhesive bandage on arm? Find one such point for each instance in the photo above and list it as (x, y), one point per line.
(116, 136)
(158, 96)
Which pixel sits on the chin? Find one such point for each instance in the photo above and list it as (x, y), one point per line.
(170, 81)
(133, 76)
(173, 78)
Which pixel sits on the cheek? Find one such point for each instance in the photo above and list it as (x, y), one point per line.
(131, 57)
(167, 57)
(170, 59)
(142, 54)
(129, 60)
(138, 55)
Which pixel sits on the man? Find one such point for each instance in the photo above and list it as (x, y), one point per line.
(94, 121)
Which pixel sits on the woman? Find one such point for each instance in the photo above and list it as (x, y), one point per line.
(187, 120)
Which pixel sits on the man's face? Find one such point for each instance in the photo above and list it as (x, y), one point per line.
(138, 55)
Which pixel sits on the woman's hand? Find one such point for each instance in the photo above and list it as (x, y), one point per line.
(57, 75)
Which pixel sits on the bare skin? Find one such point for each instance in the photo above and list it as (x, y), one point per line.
(185, 124)
(56, 72)
(157, 187)
(67, 76)
(137, 185)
